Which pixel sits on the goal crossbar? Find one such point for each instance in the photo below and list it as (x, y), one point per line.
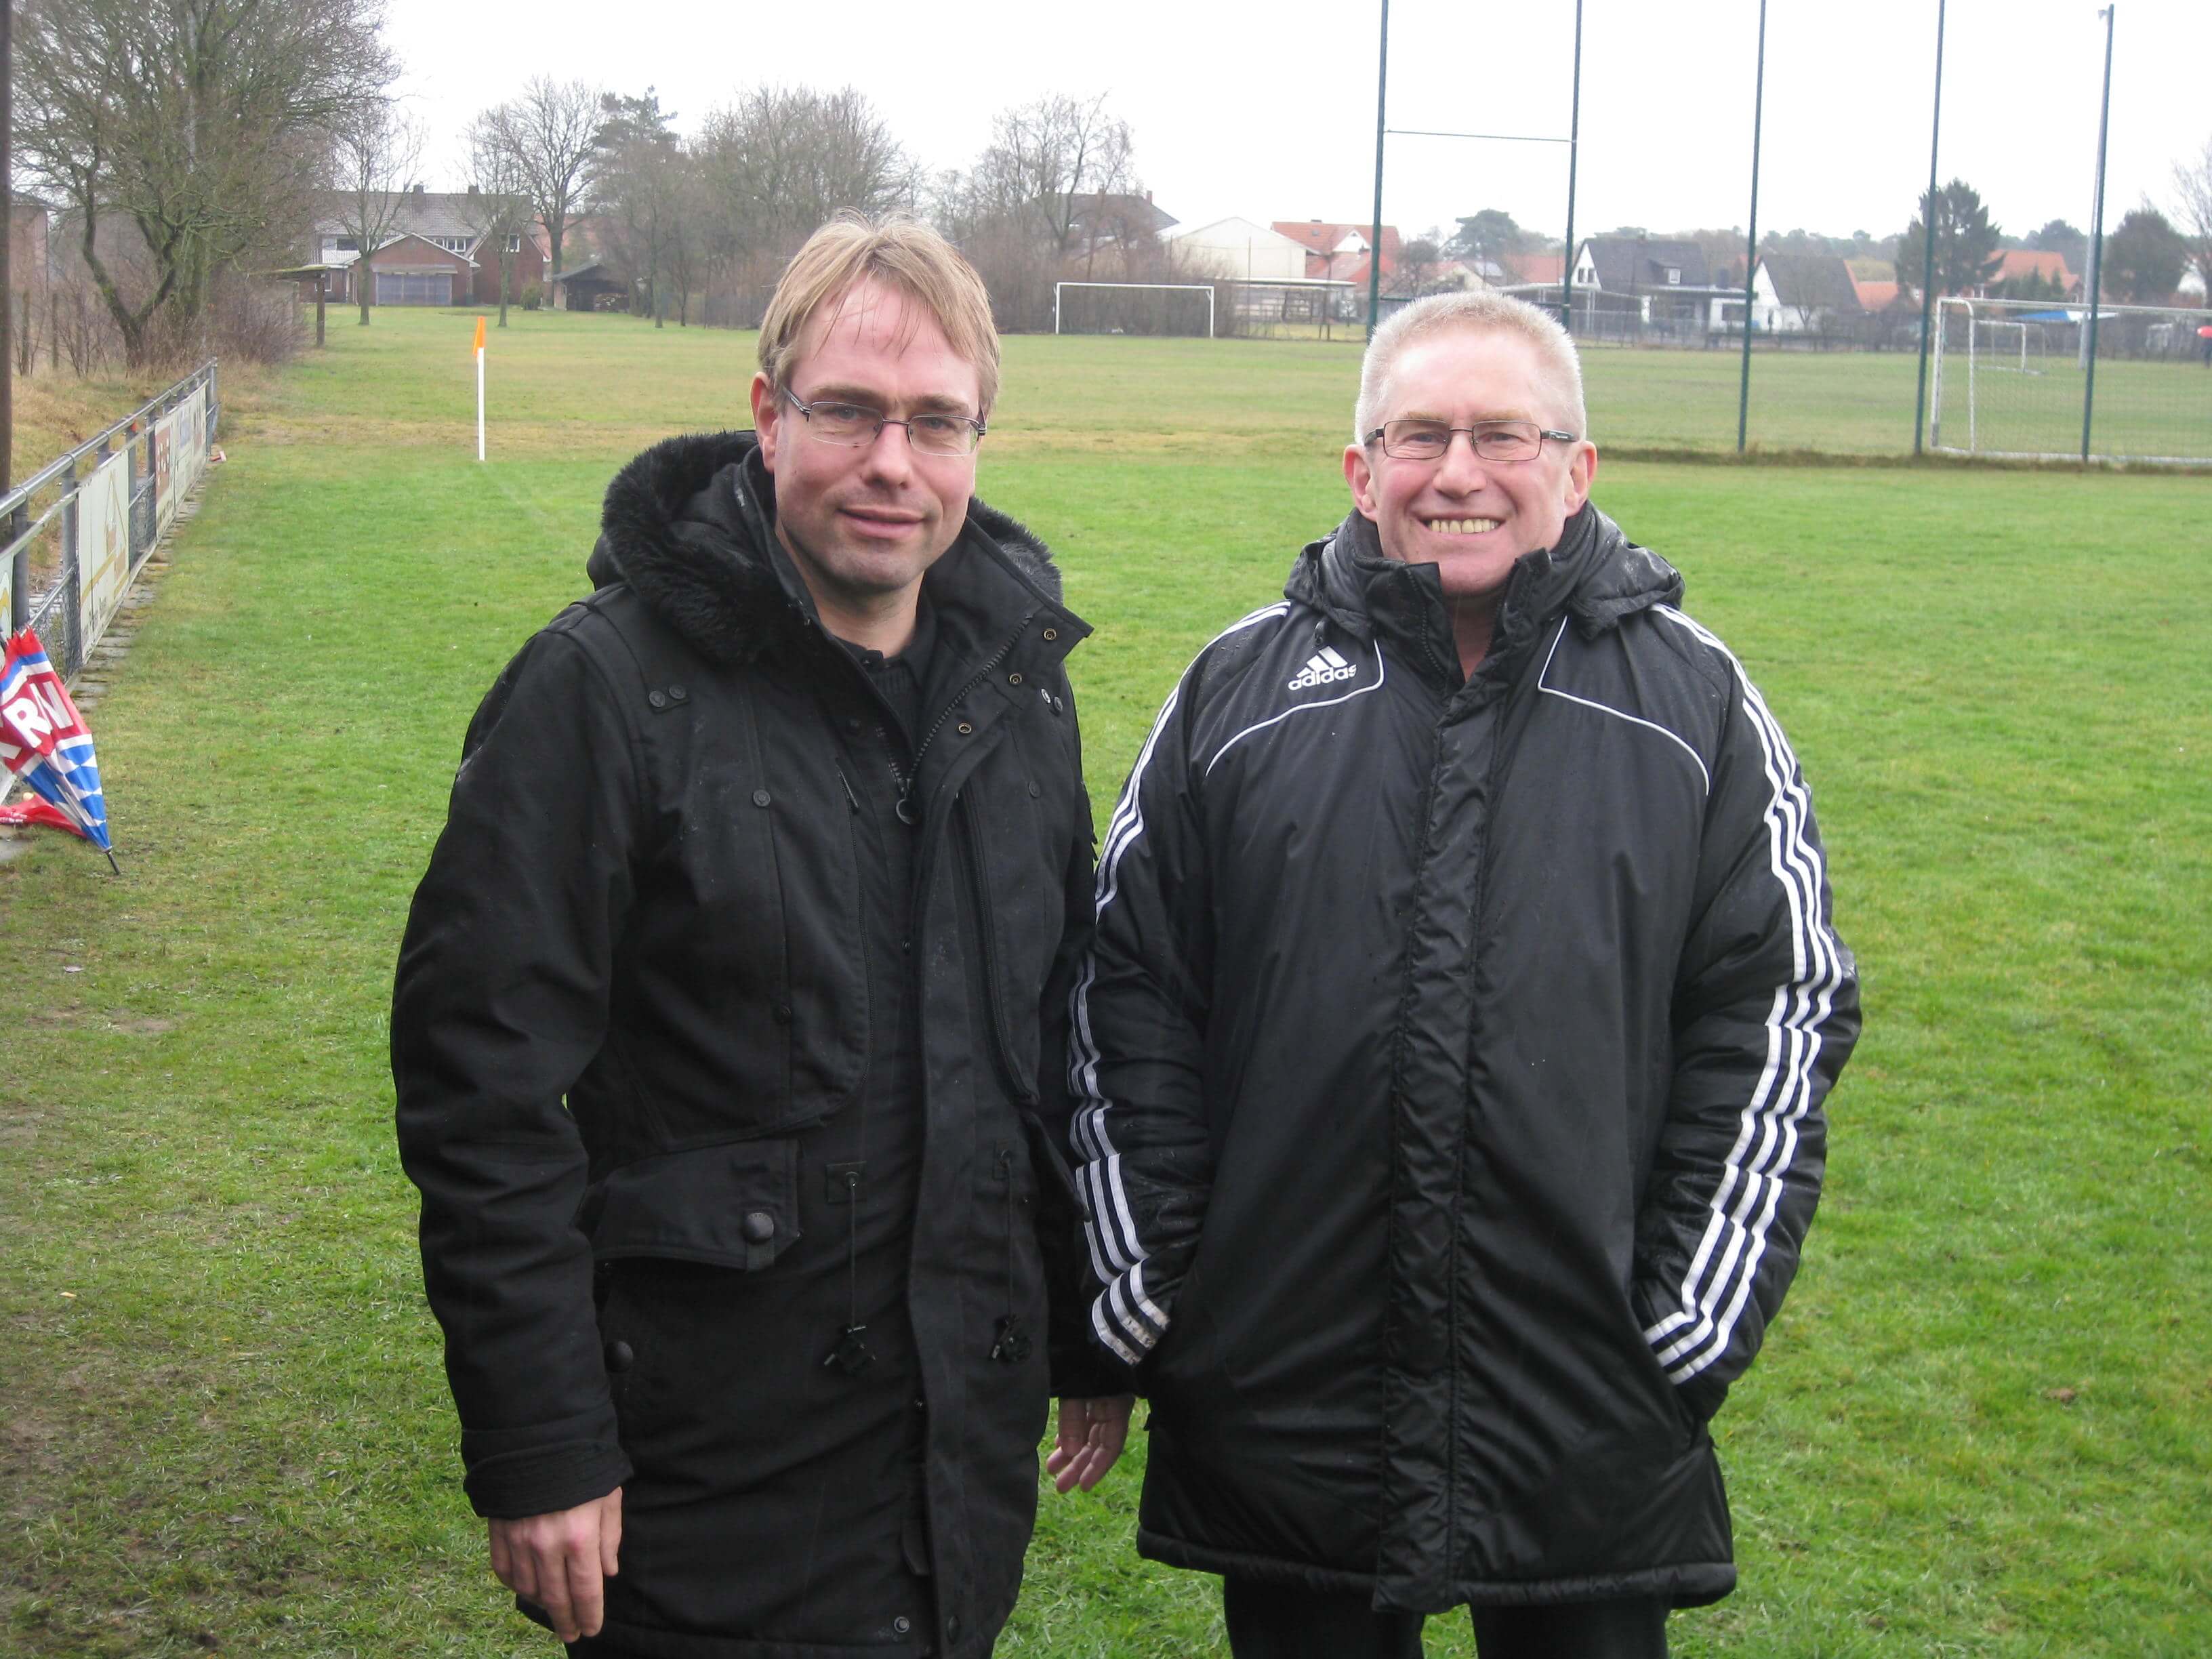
(1206, 289)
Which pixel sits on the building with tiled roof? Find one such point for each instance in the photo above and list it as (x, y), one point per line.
(2020, 262)
(1335, 250)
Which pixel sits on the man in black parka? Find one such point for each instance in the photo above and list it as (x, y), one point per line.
(1453, 1047)
(730, 1024)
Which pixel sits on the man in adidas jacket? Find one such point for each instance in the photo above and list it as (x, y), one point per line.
(731, 1010)
(1452, 1048)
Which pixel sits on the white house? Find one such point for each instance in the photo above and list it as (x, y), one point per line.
(1790, 293)
(1241, 251)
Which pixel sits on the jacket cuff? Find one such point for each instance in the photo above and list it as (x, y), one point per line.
(1084, 1370)
(508, 1485)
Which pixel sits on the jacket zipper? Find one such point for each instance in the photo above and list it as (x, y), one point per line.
(909, 778)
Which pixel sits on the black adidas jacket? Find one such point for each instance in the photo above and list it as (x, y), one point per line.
(637, 1004)
(1454, 1054)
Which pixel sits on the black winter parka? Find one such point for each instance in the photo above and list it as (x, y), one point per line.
(631, 1029)
(1454, 1052)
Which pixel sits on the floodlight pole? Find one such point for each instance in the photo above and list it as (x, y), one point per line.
(1751, 248)
(1574, 153)
(1375, 238)
(1927, 241)
(2097, 236)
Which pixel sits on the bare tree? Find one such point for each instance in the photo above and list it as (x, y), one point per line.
(1044, 194)
(204, 124)
(376, 152)
(1045, 159)
(550, 135)
(2193, 181)
(782, 159)
(498, 205)
(1419, 261)
(694, 239)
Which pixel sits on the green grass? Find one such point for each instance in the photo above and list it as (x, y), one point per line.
(1983, 1423)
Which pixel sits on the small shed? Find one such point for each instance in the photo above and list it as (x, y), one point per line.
(587, 287)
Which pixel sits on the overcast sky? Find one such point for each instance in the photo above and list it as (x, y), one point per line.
(1267, 111)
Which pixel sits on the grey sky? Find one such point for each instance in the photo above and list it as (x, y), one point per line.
(1269, 111)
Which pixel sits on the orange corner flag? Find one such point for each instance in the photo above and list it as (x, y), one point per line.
(479, 344)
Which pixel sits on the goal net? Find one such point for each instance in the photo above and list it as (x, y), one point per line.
(2011, 380)
(2001, 345)
(1185, 308)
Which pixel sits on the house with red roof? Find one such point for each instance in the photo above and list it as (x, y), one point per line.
(1875, 296)
(1534, 270)
(2020, 262)
(1338, 251)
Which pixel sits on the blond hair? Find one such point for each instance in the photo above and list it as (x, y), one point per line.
(903, 254)
(1475, 310)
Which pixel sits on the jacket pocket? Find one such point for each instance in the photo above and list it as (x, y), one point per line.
(734, 1205)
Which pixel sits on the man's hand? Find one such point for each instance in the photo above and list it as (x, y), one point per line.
(1092, 1434)
(560, 1560)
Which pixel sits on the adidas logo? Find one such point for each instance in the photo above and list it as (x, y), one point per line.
(1325, 667)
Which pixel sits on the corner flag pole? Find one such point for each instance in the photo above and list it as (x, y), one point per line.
(480, 354)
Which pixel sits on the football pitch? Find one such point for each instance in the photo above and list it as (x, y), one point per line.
(1982, 1425)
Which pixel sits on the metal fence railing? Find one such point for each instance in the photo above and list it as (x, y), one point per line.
(79, 530)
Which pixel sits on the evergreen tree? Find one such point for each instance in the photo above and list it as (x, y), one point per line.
(2143, 258)
(1489, 234)
(2060, 238)
(1966, 253)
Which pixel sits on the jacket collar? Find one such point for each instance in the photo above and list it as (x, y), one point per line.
(690, 525)
(1595, 574)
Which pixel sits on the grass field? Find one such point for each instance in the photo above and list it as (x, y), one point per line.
(1983, 1425)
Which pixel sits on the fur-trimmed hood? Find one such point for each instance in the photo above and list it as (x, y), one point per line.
(690, 525)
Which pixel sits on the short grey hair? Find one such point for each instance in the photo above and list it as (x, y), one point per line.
(1474, 311)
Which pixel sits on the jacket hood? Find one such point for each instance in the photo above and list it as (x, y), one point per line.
(1594, 573)
(690, 525)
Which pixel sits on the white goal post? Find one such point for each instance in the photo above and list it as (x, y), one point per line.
(2010, 380)
(2008, 343)
(1060, 289)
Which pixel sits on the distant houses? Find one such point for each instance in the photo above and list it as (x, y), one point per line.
(2021, 268)
(1238, 250)
(1796, 294)
(1636, 285)
(1338, 251)
(437, 253)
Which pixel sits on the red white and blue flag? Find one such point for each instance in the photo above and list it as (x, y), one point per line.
(45, 742)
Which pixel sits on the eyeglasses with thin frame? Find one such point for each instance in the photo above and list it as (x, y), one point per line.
(1492, 440)
(856, 426)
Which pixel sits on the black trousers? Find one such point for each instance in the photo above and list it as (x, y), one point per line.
(1275, 1621)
